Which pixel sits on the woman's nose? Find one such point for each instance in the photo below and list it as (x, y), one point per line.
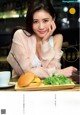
(41, 26)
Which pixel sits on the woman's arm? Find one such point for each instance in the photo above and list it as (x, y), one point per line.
(68, 71)
(23, 56)
(53, 54)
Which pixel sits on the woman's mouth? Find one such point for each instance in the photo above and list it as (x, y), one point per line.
(42, 32)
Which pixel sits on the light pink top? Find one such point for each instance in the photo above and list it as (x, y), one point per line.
(24, 50)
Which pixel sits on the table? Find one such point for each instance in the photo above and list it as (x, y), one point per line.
(76, 88)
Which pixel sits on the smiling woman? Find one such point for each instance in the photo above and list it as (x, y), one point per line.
(34, 47)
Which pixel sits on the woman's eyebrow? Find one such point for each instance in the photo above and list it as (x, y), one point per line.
(45, 18)
(42, 19)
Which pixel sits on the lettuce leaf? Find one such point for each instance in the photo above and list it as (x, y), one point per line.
(57, 80)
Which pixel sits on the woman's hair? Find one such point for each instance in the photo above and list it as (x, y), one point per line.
(35, 6)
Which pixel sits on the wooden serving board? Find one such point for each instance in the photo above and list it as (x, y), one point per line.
(45, 87)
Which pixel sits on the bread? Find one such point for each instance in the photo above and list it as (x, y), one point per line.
(29, 79)
(34, 84)
(25, 79)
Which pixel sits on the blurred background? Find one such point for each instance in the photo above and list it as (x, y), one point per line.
(12, 14)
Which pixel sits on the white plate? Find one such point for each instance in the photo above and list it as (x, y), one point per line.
(8, 86)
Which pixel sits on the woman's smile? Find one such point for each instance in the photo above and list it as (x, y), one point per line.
(42, 31)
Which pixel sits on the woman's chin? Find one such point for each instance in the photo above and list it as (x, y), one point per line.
(42, 35)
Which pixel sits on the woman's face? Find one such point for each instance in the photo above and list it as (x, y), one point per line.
(41, 22)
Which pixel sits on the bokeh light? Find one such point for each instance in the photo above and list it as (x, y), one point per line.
(72, 10)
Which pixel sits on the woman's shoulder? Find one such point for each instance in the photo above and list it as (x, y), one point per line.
(19, 35)
(58, 37)
(58, 40)
(17, 32)
(21, 32)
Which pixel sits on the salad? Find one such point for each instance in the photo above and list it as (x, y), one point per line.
(57, 80)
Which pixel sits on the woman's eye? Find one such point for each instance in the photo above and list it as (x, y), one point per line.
(35, 21)
(45, 21)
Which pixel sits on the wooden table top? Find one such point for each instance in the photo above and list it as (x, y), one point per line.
(76, 88)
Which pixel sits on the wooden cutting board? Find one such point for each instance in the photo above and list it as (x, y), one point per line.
(45, 87)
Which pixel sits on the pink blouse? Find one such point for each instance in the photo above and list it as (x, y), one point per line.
(24, 50)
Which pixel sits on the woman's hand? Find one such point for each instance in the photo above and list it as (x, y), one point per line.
(51, 29)
(68, 71)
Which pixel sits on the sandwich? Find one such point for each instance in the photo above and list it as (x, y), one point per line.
(28, 79)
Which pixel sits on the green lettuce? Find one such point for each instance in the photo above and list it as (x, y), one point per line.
(57, 80)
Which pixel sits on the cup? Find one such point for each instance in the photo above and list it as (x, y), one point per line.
(4, 78)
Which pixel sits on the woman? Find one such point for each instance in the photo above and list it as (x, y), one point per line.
(35, 49)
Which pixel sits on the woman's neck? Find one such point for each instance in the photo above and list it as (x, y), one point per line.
(38, 39)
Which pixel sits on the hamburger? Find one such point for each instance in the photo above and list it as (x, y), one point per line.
(29, 79)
